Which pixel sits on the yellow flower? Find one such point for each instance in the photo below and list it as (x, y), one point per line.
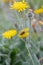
(9, 34)
(38, 11)
(24, 33)
(20, 6)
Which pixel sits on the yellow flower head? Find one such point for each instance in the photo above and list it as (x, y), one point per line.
(38, 11)
(20, 6)
(9, 34)
(24, 33)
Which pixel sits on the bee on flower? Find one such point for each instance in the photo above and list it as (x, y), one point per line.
(24, 33)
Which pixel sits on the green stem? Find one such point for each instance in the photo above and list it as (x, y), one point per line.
(26, 45)
(29, 54)
(30, 29)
